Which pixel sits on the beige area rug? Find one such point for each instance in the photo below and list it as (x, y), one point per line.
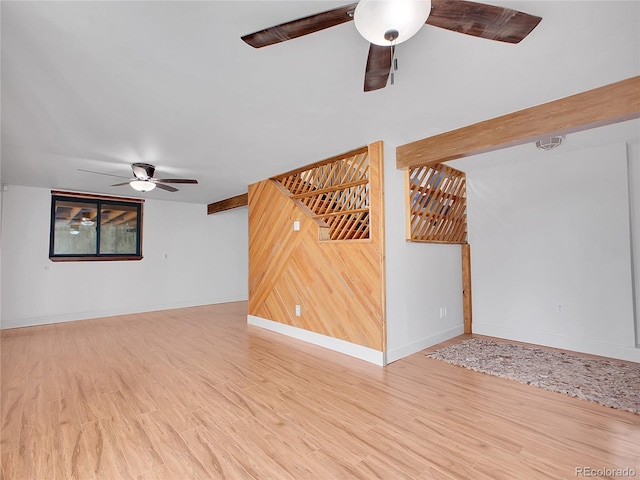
(612, 383)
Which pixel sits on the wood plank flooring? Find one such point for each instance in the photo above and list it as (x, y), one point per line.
(196, 393)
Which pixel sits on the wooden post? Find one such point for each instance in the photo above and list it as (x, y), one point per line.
(466, 287)
(407, 204)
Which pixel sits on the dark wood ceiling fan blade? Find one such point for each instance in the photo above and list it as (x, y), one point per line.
(301, 27)
(482, 20)
(120, 184)
(174, 180)
(100, 173)
(168, 188)
(378, 67)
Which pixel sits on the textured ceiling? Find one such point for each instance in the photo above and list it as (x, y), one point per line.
(100, 85)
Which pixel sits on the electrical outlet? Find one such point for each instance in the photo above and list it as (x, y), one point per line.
(443, 312)
(296, 226)
(559, 308)
(298, 310)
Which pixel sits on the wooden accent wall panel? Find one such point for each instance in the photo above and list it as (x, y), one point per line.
(339, 285)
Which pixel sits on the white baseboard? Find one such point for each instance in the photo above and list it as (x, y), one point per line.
(414, 347)
(592, 347)
(358, 351)
(88, 315)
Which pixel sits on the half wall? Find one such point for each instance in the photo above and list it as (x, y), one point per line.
(338, 285)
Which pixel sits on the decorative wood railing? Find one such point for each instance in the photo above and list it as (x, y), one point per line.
(336, 191)
(437, 210)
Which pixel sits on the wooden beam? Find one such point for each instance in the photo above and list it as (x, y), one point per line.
(466, 287)
(228, 204)
(613, 103)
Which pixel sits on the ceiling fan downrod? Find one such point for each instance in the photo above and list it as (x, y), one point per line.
(391, 35)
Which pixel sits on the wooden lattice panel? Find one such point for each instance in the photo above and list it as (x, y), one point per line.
(437, 210)
(337, 192)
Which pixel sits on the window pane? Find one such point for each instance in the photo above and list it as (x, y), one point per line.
(119, 229)
(75, 228)
(84, 229)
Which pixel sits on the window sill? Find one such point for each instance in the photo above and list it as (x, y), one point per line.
(93, 258)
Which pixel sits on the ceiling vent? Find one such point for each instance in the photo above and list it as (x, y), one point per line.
(549, 143)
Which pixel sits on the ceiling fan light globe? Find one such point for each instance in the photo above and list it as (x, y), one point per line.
(374, 18)
(142, 185)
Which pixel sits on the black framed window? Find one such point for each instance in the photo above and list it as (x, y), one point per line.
(86, 227)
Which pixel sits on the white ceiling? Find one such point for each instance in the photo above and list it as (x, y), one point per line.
(100, 85)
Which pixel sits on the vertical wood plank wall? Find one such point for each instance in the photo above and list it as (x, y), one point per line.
(338, 284)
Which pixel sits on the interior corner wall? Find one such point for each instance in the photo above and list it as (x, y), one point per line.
(206, 263)
(420, 277)
(633, 154)
(551, 250)
(1, 217)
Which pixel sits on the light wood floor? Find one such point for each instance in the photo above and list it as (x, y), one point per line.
(196, 393)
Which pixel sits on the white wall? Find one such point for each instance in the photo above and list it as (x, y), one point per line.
(633, 153)
(551, 249)
(1, 222)
(420, 278)
(206, 263)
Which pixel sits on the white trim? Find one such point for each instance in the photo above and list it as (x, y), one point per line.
(358, 351)
(418, 345)
(620, 352)
(89, 315)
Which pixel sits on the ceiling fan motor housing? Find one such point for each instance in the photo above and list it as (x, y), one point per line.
(143, 171)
